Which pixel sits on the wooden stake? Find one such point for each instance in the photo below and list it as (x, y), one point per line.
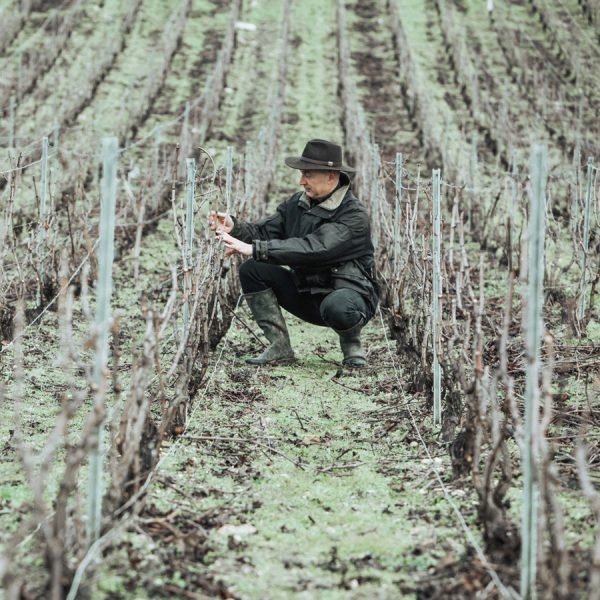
(189, 240)
(436, 288)
(43, 217)
(397, 210)
(228, 177)
(586, 237)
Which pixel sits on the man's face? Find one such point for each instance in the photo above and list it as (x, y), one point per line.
(318, 183)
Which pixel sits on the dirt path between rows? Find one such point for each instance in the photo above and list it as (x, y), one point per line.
(289, 483)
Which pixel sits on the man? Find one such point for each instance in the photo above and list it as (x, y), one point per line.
(322, 236)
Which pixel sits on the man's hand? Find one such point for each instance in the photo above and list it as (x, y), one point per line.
(218, 221)
(233, 245)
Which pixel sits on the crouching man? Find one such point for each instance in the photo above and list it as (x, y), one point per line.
(313, 257)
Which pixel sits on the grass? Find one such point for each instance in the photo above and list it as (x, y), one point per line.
(348, 522)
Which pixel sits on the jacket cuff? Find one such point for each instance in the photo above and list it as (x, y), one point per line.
(237, 229)
(260, 250)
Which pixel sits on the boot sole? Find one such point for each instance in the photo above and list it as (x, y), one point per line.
(280, 361)
(354, 366)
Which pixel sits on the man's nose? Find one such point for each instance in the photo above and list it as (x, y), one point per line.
(302, 179)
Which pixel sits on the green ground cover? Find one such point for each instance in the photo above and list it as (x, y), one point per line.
(48, 374)
(38, 111)
(315, 498)
(291, 481)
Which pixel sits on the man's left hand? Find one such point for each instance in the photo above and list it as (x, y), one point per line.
(233, 245)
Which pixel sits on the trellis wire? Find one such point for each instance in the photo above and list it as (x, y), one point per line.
(189, 240)
(23, 167)
(535, 293)
(436, 287)
(103, 294)
(586, 238)
(49, 305)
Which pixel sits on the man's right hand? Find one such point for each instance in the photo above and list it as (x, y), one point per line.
(220, 222)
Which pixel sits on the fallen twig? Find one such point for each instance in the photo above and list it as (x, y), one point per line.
(341, 466)
(271, 449)
(222, 438)
(234, 313)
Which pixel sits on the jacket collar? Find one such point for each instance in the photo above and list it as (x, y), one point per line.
(331, 203)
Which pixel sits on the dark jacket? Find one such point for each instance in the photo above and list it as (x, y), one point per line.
(328, 245)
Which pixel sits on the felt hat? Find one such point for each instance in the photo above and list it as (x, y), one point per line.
(319, 155)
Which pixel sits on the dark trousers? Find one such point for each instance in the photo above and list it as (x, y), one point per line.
(340, 309)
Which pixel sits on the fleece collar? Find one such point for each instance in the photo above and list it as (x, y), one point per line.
(331, 203)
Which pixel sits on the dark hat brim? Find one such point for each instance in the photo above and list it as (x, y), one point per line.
(298, 163)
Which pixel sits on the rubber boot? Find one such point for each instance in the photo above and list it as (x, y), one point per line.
(354, 355)
(266, 312)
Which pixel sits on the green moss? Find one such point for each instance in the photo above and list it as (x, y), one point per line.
(111, 584)
(593, 330)
(338, 523)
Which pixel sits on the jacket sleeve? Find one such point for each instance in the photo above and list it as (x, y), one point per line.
(269, 228)
(323, 247)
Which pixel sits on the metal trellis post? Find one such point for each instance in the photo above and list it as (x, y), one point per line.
(535, 295)
(102, 326)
